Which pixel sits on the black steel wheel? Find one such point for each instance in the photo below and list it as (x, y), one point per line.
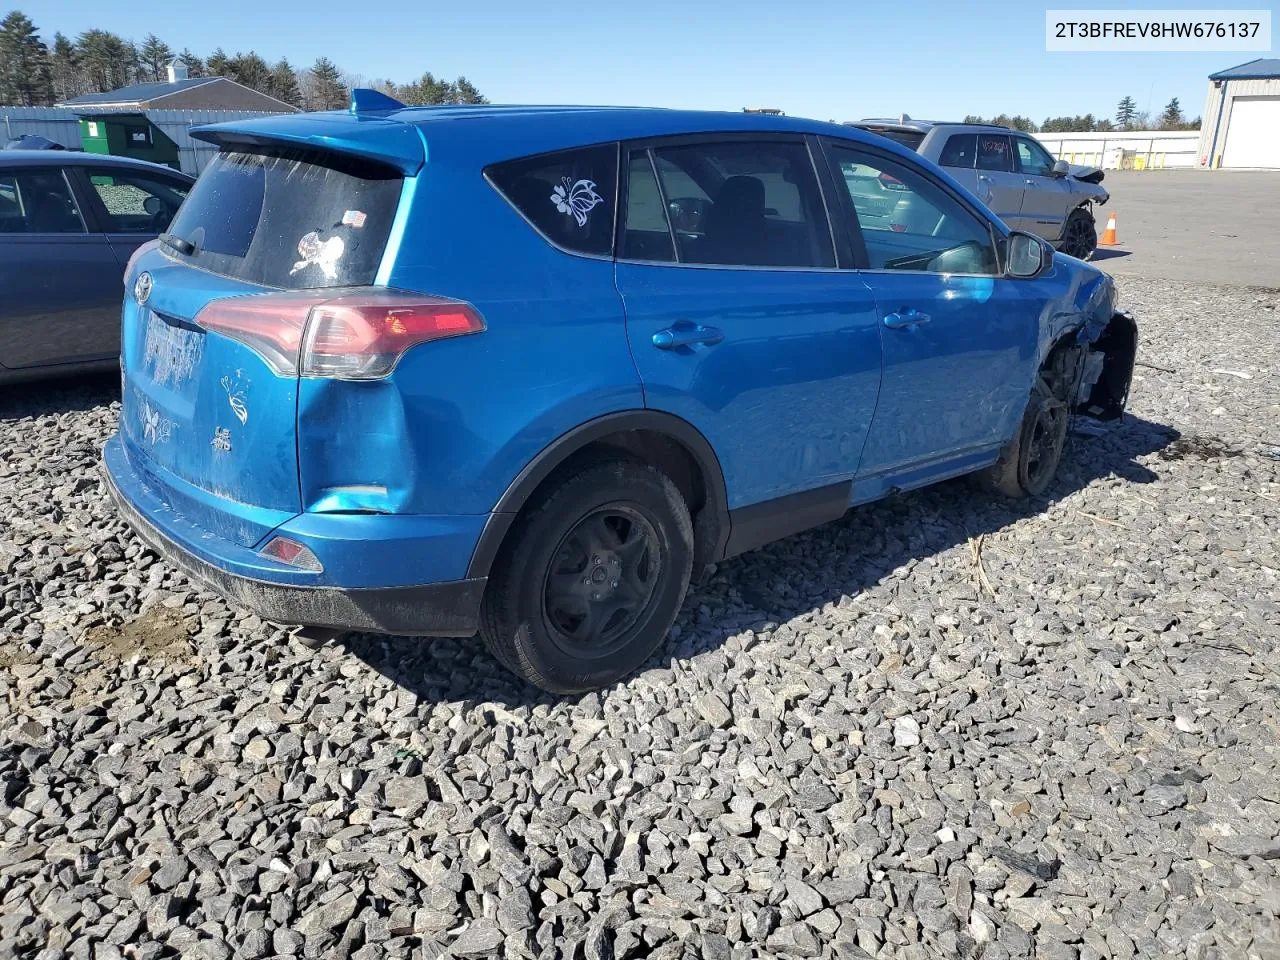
(1030, 464)
(591, 578)
(1079, 235)
(601, 580)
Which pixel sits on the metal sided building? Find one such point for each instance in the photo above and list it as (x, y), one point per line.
(1241, 127)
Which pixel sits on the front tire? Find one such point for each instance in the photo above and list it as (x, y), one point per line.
(1080, 234)
(592, 578)
(1030, 464)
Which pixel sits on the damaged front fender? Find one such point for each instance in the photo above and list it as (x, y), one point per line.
(1102, 390)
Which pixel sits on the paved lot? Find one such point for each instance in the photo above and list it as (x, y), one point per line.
(946, 726)
(1212, 226)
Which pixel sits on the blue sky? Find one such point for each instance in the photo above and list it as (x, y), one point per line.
(829, 59)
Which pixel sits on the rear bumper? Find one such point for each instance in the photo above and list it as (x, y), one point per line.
(445, 609)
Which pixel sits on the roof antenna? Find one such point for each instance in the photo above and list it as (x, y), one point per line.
(364, 100)
(905, 119)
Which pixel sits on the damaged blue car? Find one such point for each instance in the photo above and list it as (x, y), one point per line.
(522, 371)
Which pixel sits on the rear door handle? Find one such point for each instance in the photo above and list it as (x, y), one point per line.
(686, 334)
(905, 319)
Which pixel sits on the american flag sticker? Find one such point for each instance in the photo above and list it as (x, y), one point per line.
(353, 218)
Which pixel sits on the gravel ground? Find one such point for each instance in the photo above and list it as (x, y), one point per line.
(945, 726)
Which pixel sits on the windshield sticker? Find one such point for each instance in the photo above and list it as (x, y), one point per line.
(353, 218)
(324, 254)
(155, 428)
(577, 199)
(170, 351)
(235, 397)
(221, 442)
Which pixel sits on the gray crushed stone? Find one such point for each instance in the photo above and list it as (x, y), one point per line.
(945, 726)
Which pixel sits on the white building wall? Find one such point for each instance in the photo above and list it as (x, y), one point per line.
(1128, 149)
(1217, 114)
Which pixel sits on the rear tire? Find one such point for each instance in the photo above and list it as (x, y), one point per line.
(1079, 234)
(591, 579)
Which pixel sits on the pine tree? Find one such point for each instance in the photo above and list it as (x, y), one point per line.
(1172, 118)
(107, 61)
(155, 57)
(195, 66)
(218, 64)
(465, 92)
(251, 70)
(25, 78)
(284, 83)
(64, 66)
(326, 87)
(1125, 111)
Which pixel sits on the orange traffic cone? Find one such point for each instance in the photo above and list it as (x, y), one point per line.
(1109, 235)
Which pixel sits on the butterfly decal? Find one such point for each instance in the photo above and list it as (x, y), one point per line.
(577, 199)
(235, 397)
(155, 428)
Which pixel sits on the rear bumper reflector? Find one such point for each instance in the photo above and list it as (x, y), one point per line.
(449, 609)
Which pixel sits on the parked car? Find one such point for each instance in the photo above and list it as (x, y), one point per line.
(69, 222)
(523, 373)
(1013, 174)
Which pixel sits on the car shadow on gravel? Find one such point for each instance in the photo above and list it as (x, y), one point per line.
(68, 394)
(792, 577)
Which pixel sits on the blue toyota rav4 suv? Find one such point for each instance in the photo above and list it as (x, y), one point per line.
(520, 371)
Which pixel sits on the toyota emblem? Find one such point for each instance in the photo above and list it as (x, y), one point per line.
(142, 287)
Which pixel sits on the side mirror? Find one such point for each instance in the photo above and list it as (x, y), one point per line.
(1061, 168)
(1026, 256)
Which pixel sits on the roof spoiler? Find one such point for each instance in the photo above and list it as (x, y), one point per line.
(357, 134)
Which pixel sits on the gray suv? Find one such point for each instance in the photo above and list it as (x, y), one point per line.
(1012, 174)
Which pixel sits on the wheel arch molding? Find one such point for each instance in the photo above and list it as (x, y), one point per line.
(648, 434)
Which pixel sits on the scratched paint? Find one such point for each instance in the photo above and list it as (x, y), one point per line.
(170, 353)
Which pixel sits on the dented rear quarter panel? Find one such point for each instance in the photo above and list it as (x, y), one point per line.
(458, 419)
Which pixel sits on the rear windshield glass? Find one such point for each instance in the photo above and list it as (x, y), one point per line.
(290, 219)
(908, 138)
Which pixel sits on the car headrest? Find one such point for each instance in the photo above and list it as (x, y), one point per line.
(742, 198)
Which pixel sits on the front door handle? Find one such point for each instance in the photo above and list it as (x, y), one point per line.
(1029, 183)
(905, 319)
(686, 334)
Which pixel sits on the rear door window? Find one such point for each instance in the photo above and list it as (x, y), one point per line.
(959, 151)
(993, 153)
(646, 234)
(290, 219)
(745, 204)
(568, 196)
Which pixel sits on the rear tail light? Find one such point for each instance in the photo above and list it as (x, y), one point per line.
(293, 553)
(357, 335)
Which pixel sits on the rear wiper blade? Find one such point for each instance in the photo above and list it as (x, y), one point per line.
(181, 244)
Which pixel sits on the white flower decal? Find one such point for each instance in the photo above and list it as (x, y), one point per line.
(577, 199)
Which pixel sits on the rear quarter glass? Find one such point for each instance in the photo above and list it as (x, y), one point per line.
(294, 220)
